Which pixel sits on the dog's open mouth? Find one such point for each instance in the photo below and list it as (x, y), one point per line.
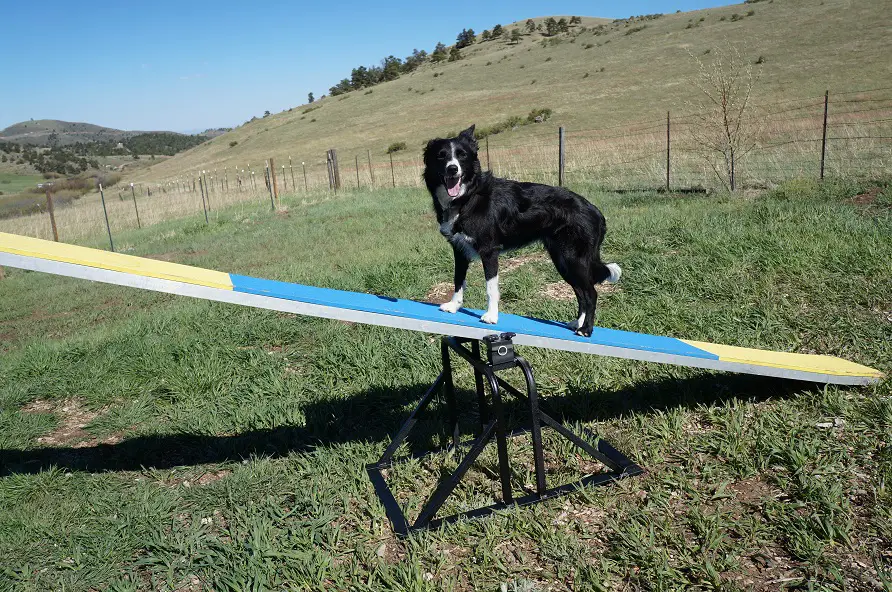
(453, 185)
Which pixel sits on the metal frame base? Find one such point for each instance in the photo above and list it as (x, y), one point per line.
(493, 425)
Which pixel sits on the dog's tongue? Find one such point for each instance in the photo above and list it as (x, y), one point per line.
(453, 186)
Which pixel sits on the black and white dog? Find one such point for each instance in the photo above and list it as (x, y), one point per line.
(481, 215)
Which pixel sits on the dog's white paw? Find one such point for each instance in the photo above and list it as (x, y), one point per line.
(450, 306)
(490, 317)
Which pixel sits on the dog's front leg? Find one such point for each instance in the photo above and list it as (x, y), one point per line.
(461, 272)
(491, 273)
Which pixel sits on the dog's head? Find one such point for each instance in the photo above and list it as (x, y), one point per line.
(451, 167)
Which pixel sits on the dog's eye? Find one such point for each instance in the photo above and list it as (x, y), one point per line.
(442, 155)
(460, 154)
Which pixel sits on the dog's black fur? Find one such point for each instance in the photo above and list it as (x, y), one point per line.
(496, 214)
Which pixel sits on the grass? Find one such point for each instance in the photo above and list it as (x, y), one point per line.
(155, 442)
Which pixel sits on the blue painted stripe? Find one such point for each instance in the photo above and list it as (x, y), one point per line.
(424, 311)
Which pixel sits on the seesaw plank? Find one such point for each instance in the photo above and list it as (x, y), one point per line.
(147, 274)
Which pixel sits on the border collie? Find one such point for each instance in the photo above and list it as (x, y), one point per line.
(481, 215)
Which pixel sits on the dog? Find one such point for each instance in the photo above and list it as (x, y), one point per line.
(481, 215)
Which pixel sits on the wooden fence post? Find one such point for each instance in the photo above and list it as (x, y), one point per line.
(560, 156)
(392, 175)
(49, 207)
(203, 204)
(284, 178)
(291, 168)
(107, 225)
(306, 184)
(357, 171)
(371, 172)
(824, 136)
(269, 186)
(275, 186)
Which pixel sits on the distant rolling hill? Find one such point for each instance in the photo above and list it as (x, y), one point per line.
(45, 132)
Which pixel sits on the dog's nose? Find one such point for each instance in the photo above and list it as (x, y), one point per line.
(452, 170)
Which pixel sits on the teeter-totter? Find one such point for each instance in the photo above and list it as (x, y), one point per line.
(464, 335)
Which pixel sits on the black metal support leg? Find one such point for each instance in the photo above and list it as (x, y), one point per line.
(500, 357)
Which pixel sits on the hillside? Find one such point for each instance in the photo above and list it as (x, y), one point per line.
(626, 71)
(46, 132)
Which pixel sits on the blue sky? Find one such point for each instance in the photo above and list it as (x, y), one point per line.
(193, 65)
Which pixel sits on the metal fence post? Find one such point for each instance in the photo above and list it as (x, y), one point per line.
(392, 174)
(107, 225)
(824, 135)
(560, 156)
(668, 144)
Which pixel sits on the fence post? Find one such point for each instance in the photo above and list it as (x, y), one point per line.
(668, 147)
(275, 186)
(561, 156)
(284, 178)
(269, 185)
(334, 175)
(107, 225)
(392, 175)
(371, 172)
(357, 171)
(49, 207)
(488, 164)
(824, 136)
(306, 184)
(203, 204)
(291, 168)
(133, 193)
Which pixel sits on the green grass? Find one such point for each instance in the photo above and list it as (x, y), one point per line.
(223, 447)
(15, 183)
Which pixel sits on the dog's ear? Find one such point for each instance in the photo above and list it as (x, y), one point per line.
(468, 135)
(428, 147)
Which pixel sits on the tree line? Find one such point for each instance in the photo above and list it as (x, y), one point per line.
(392, 67)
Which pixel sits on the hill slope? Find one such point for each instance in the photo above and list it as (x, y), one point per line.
(44, 132)
(625, 71)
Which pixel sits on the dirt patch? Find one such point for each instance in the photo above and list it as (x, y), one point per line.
(73, 418)
(868, 197)
(563, 291)
(440, 292)
(515, 262)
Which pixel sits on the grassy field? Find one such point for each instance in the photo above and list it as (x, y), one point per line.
(15, 183)
(631, 71)
(150, 442)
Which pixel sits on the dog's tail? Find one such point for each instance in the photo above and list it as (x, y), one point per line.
(610, 273)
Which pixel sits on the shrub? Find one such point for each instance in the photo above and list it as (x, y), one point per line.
(396, 147)
(548, 59)
(585, 75)
(233, 144)
(636, 29)
(368, 92)
(761, 60)
(751, 13)
(539, 115)
(308, 109)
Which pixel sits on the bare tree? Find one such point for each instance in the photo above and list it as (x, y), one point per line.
(725, 127)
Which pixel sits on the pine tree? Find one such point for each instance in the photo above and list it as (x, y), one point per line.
(310, 98)
(497, 31)
(551, 26)
(485, 35)
(439, 54)
(531, 26)
(465, 38)
(455, 54)
(563, 25)
(515, 36)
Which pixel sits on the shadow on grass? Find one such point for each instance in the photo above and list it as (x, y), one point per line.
(375, 415)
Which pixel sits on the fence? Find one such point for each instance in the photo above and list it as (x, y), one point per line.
(838, 134)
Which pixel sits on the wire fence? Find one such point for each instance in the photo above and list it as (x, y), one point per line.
(788, 139)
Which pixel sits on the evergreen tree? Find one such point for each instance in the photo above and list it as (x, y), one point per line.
(497, 31)
(310, 98)
(575, 20)
(551, 26)
(390, 68)
(531, 26)
(515, 36)
(439, 54)
(563, 25)
(465, 38)
(485, 35)
(455, 54)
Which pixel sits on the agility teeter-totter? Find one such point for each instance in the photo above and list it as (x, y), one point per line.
(458, 330)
